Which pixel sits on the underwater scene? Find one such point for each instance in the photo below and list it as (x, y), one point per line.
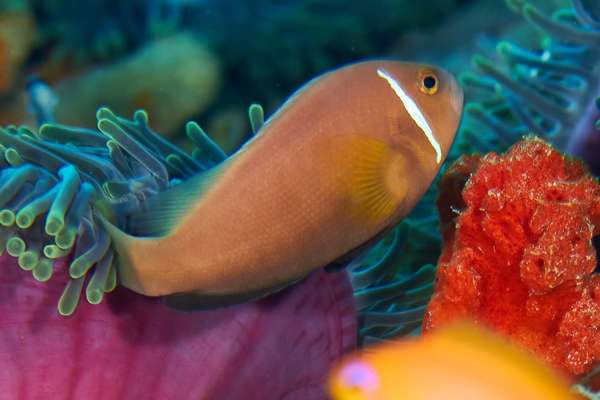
(299, 199)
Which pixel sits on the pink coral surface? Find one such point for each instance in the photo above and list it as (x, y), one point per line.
(134, 347)
(518, 255)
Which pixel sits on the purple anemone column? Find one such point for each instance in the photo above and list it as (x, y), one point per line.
(134, 347)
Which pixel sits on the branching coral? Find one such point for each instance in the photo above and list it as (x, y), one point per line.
(518, 254)
(51, 180)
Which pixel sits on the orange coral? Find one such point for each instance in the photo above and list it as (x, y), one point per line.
(517, 252)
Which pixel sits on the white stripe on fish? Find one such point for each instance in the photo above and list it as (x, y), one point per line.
(414, 112)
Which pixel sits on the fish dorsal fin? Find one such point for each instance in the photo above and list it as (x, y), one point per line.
(376, 176)
(161, 214)
(302, 90)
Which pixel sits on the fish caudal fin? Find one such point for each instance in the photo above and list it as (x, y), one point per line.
(121, 242)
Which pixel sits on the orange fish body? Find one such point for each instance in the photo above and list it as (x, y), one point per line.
(458, 363)
(341, 161)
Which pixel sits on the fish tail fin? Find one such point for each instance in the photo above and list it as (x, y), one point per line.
(121, 243)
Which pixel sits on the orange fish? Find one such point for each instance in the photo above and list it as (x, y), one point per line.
(338, 166)
(462, 362)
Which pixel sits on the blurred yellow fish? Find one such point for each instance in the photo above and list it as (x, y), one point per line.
(338, 166)
(462, 362)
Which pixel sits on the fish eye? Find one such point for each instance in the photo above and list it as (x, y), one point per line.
(428, 83)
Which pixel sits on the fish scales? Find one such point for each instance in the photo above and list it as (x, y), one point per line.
(341, 161)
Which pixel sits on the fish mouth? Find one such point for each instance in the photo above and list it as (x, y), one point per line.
(457, 96)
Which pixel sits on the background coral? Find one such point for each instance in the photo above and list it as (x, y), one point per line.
(173, 79)
(518, 255)
(265, 49)
(545, 90)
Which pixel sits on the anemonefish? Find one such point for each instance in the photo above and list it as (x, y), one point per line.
(462, 362)
(337, 167)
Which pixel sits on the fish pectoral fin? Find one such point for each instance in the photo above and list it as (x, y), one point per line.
(376, 176)
(160, 214)
(198, 301)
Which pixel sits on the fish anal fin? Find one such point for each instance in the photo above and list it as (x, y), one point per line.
(197, 301)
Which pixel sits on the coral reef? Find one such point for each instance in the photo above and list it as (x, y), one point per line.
(312, 36)
(394, 284)
(173, 79)
(517, 252)
(80, 33)
(266, 48)
(135, 347)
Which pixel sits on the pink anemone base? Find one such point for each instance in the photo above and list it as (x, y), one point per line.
(134, 347)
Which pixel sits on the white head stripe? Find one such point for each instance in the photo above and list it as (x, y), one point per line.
(414, 112)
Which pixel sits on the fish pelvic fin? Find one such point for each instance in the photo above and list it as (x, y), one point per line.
(376, 177)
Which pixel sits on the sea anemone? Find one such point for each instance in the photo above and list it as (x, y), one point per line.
(545, 92)
(135, 347)
(52, 180)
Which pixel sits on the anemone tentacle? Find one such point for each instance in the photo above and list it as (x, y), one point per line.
(395, 283)
(545, 91)
(51, 181)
